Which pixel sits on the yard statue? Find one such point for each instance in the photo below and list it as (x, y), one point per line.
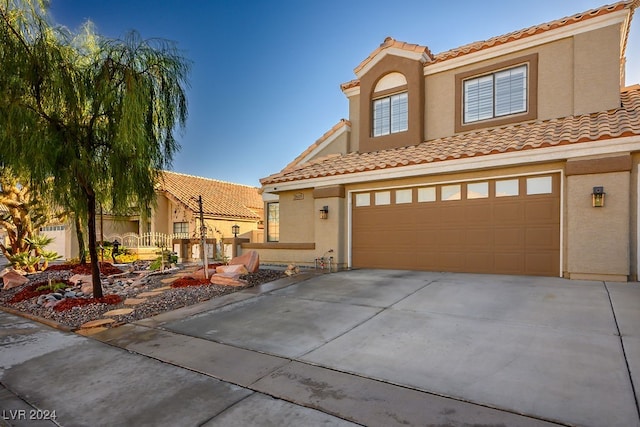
(115, 251)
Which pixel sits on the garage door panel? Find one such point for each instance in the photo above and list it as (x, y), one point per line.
(511, 238)
(452, 212)
(481, 262)
(541, 211)
(542, 237)
(509, 262)
(509, 212)
(537, 263)
(452, 260)
(450, 237)
(515, 233)
(479, 237)
(479, 213)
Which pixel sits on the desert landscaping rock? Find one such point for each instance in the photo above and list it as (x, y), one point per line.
(96, 323)
(13, 279)
(165, 299)
(134, 301)
(91, 331)
(149, 294)
(119, 312)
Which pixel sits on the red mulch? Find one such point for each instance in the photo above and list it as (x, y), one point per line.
(30, 291)
(106, 268)
(69, 303)
(183, 282)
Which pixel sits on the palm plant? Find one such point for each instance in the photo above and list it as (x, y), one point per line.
(47, 257)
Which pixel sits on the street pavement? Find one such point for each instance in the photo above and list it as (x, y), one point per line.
(362, 347)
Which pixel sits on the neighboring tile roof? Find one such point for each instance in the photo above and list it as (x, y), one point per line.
(620, 122)
(219, 198)
(342, 123)
(498, 40)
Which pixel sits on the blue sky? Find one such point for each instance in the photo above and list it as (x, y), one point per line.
(266, 75)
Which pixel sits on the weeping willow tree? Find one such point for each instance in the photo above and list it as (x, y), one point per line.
(94, 115)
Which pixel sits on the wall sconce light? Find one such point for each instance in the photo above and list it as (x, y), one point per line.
(324, 212)
(235, 230)
(597, 197)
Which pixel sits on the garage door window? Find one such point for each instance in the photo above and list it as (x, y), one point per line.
(451, 192)
(427, 194)
(539, 185)
(404, 196)
(363, 199)
(507, 187)
(477, 190)
(383, 198)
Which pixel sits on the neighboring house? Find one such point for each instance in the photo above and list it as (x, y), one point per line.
(483, 158)
(175, 219)
(224, 205)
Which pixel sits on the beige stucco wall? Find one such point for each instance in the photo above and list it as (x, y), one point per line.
(354, 118)
(598, 238)
(567, 69)
(160, 223)
(116, 226)
(297, 209)
(299, 257)
(597, 59)
(330, 232)
(339, 145)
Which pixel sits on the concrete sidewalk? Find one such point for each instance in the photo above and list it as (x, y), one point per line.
(363, 347)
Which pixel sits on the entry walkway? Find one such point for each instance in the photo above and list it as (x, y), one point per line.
(363, 347)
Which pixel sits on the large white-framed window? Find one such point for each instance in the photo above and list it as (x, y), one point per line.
(391, 114)
(273, 222)
(497, 94)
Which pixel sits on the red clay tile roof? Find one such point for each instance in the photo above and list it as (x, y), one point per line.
(500, 40)
(219, 198)
(531, 31)
(333, 130)
(620, 122)
(390, 42)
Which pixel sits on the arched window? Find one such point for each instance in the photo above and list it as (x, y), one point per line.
(390, 111)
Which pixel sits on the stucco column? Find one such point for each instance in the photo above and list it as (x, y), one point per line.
(598, 237)
(330, 232)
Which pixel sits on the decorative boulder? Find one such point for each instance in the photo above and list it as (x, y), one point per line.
(87, 288)
(233, 271)
(199, 274)
(250, 259)
(13, 279)
(292, 270)
(80, 278)
(10, 269)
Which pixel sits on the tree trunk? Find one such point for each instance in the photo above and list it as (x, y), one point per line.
(93, 251)
(80, 237)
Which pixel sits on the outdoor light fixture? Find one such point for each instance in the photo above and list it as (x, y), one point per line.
(235, 230)
(597, 197)
(324, 212)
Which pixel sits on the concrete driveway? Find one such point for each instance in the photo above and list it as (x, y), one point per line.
(391, 348)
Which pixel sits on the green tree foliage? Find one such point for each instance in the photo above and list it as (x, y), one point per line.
(95, 115)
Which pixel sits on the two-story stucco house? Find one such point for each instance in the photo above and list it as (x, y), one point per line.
(488, 158)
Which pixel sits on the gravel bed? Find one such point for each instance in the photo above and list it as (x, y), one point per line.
(169, 299)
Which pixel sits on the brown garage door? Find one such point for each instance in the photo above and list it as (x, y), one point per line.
(504, 226)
